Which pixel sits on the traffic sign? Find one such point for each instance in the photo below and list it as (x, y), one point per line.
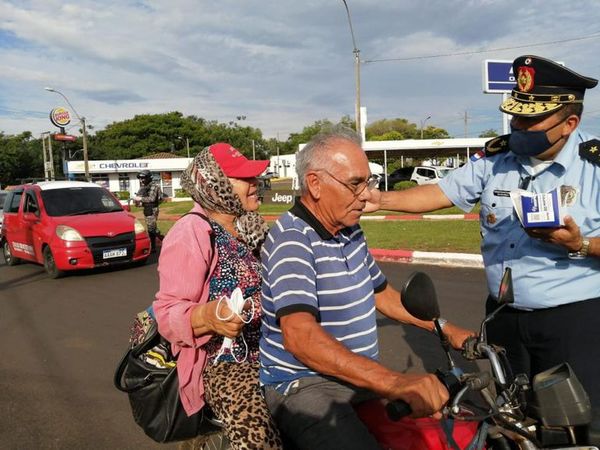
(498, 76)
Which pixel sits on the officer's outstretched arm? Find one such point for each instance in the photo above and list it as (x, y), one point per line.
(425, 198)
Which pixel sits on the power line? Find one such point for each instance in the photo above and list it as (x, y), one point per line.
(475, 52)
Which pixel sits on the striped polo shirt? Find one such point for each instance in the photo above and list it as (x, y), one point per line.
(306, 268)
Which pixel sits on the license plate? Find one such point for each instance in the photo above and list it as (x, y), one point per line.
(116, 253)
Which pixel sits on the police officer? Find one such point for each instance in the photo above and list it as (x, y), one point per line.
(149, 196)
(556, 271)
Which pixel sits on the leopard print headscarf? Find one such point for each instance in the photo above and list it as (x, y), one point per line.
(209, 186)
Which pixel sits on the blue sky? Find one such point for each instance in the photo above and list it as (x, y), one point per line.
(283, 64)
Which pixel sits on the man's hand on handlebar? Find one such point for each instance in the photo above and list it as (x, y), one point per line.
(457, 335)
(424, 393)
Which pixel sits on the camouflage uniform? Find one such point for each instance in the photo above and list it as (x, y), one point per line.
(150, 198)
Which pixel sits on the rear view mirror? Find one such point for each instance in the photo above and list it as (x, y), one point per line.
(30, 217)
(505, 292)
(505, 297)
(419, 298)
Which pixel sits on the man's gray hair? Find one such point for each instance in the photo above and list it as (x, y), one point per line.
(314, 155)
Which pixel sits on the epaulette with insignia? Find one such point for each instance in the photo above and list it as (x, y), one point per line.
(590, 150)
(497, 145)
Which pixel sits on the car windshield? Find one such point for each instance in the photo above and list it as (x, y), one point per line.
(79, 200)
(443, 172)
(2, 198)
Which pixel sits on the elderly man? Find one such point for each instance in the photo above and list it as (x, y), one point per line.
(556, 270)
(321, 289)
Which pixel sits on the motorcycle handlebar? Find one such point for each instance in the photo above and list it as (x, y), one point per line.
(397, 409)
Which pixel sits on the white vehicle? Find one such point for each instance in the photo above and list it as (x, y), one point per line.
(429, 174)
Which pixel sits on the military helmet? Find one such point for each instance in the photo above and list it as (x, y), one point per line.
(145, 176)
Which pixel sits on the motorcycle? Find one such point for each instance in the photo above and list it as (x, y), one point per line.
(552, 411)
(497, 410)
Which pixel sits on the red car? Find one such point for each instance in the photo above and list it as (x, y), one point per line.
(70, 225)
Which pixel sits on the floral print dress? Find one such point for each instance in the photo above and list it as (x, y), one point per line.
(236, 267)
(231, 384)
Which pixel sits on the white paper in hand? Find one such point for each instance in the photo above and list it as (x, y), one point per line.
(236, 305)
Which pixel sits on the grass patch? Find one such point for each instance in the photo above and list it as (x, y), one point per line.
(445, 236)
(456, 236)
(429, 236)
(276, 209)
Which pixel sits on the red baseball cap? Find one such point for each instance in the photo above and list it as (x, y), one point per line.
(234, 164)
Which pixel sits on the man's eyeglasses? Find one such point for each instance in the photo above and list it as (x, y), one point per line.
(358, 187)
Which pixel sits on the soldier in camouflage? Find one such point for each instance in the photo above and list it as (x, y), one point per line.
(149, 196)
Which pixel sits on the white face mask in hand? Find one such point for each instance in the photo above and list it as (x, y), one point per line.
(236, 304)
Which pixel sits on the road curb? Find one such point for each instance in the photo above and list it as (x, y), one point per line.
(430, 258)
(412, 256)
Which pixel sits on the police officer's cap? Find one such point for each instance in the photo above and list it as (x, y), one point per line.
(543, 87)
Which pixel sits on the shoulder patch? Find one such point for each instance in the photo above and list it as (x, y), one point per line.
(497, 145)
(590, 150)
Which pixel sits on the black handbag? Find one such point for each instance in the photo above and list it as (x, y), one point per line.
(154, 392)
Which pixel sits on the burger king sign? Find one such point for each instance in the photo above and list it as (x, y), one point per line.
(60, 117)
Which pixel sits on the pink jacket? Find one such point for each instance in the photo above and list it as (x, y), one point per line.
(185, 265)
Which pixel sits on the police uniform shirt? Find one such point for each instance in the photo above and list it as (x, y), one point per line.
(543, 275)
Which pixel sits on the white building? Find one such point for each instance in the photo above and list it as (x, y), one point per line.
(121, 174)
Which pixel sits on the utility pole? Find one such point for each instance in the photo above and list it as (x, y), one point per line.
(48, 157)
(253, 150)
(466, 125)
(45, 157)
(356, 52)
(86, 165)
(83, 129)
(423, 124)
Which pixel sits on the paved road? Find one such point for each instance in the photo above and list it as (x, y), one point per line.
(61, 340)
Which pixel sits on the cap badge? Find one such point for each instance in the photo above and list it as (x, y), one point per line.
(525, 78)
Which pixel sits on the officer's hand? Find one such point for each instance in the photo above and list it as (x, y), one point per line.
(373, 203)
(568, 236)
(457, 335)
(137, 198)
(425, 394)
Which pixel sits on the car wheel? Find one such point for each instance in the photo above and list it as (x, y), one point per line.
(139, 262)
(9, 259)
(50, 264)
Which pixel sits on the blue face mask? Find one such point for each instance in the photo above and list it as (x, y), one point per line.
(530, 143)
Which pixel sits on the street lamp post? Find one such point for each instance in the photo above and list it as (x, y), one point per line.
(86, 166)
(187, 144)
(423, 124)
(356, 52)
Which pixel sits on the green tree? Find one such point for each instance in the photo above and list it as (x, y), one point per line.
(21, 158)
(488, 133)
(153, 133)
(378, 130)
(388, 136)
(295, 139)
(432, 132)
(401, 126)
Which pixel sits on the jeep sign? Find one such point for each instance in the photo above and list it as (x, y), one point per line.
(285, 197)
